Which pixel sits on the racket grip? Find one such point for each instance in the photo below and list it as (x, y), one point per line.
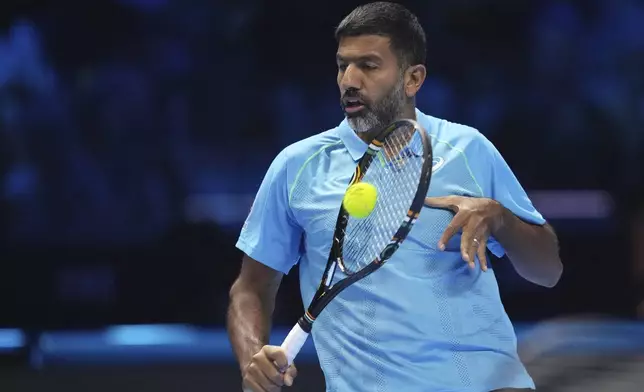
(294, 342)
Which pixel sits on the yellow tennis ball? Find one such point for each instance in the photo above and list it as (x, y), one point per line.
(360, 199)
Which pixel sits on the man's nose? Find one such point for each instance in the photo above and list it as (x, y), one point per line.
(351, 78)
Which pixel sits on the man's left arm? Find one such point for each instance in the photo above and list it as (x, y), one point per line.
(502, 219)
(518, 229)
(532, 248)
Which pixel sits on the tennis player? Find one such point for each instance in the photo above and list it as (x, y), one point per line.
(431, 319)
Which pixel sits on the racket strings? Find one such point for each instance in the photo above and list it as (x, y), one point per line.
(395, 172)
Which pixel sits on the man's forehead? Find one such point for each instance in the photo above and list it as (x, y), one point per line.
(362, 45)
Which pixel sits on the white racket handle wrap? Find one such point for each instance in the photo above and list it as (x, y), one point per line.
(294, 342)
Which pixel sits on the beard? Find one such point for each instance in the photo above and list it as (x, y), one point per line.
(380, 113)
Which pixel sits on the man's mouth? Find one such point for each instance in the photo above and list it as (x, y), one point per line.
(353, 105)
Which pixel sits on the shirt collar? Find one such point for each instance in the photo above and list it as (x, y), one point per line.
(357, 147)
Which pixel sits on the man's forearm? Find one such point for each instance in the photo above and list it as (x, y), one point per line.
(532, 249)
(248, 324)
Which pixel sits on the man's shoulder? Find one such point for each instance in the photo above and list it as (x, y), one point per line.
(302, 150)
(454, 135)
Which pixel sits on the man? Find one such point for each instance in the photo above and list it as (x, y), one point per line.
(431, 319)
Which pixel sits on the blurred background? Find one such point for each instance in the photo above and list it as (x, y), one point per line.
(135, 133)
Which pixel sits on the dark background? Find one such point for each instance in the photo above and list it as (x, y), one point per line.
(134, 134)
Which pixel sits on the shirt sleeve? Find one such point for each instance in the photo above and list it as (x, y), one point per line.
(504, 187)
(270, 234)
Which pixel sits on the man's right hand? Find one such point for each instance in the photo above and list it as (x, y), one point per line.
(268, 371)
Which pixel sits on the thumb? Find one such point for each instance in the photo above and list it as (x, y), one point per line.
(290, 375)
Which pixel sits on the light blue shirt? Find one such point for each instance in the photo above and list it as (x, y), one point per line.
(424, 321)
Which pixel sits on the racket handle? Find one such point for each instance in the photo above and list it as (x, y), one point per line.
(294, 342)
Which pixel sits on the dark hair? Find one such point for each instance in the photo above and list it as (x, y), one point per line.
(390, 20)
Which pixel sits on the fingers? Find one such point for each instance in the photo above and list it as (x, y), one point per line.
(253, 386)
(453, 227)
(473, 222)
(481, 252)
(263, 373)
(449, 202)
(468, 246)
(259, 381)
(290, 375)
(256, 381)
(278, 356)
(474, 243)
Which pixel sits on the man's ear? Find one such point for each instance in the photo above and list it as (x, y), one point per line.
(414, 79)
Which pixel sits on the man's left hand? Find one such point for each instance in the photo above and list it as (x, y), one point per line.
(478, 217)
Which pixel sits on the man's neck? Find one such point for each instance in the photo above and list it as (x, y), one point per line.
(410, 113)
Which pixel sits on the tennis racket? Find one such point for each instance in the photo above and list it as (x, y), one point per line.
(398, 163)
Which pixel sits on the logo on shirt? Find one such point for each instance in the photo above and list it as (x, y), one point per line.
(437, 163)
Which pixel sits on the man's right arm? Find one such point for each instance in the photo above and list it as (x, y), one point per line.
(270, 239)
(252, 300)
